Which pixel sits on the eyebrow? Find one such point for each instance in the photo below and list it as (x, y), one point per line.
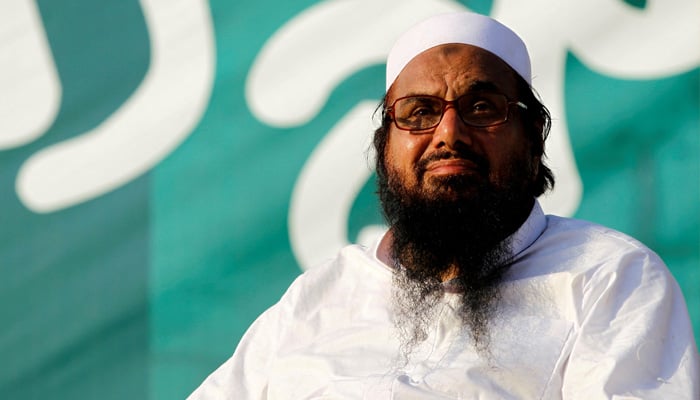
(483, 86)
(476, 86)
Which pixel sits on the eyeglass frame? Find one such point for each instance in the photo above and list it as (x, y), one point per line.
(389, 111)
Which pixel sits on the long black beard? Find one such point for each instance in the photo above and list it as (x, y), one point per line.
(434, 235)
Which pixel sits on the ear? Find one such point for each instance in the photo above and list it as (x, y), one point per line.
(536, 149)
(537, 139)
(535, 171)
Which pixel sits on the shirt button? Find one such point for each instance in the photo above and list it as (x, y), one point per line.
(410, 380)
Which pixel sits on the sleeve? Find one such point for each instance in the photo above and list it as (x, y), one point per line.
(635, 339)
(247, 374)
(242, 377)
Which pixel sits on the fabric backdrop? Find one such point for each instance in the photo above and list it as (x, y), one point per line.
(168, 167)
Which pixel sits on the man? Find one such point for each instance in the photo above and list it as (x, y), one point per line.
(473, 292)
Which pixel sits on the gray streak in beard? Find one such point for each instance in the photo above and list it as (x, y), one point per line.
(417, 296)
(463, 223)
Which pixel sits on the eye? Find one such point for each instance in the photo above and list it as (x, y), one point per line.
(418, 107)
(482, 106)
(417, 113)
(422, 111)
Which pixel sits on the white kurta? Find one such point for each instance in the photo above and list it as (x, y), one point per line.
(588, 313)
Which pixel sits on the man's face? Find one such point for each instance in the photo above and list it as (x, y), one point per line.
(454, 193)
(497, 156)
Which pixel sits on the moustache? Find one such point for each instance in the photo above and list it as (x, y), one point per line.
(481, 163)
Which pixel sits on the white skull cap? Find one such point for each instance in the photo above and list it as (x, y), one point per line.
(465, 28)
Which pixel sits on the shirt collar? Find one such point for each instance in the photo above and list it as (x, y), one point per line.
(523, 238)
(529, 231)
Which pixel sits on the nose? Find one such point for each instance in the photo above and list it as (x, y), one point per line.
(451, 132)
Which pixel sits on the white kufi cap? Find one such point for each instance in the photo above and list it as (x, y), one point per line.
(465, 28)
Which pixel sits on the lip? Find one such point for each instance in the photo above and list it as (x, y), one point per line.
(452, 166)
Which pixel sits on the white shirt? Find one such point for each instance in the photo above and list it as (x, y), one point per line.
(588, 313)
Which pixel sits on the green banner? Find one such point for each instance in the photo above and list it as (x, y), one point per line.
(168, 167)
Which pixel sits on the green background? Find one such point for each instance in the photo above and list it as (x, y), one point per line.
(142, 292)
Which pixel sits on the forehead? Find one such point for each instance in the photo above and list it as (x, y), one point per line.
(453, 69)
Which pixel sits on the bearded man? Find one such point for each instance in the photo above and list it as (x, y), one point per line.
(473, 292)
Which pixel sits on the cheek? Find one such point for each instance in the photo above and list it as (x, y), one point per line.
(511, 160)
(406, 149)
(401, 155)
(518, 171)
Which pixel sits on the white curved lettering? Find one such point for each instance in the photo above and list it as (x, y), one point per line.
(319, 48)
(661, 40)
(148, 126)
(327, 186)
(28, 72)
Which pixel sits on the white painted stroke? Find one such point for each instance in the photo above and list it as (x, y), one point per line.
(30, 91)
(327, 186)
(661, 40)
(308, 57)
(161, 113)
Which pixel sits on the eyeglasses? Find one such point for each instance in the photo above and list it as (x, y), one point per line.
(478, 109)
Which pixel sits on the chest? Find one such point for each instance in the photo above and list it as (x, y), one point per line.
(360, 358)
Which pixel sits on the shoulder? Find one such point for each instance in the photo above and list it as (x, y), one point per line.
(589, 256)
(592, 243)
(586, 233)
(352, 262)
(304, 312)
(321, 300)
(354, 269)
(630, 322)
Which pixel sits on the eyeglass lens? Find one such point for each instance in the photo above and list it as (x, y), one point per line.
(425, 112)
